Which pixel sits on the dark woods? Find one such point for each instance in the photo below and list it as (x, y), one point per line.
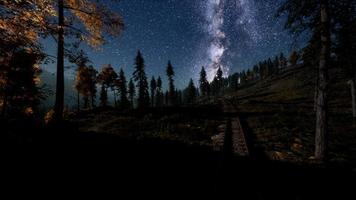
(332, 45)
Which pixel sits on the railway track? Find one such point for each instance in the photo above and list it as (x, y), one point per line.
(239, 143)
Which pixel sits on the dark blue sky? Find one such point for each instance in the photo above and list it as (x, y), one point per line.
(232, 34)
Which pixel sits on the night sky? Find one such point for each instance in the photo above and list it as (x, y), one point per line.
(233, 34)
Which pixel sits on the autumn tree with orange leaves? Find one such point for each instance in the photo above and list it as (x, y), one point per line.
(22, 22)
(96, 19)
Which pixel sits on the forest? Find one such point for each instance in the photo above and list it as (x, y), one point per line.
(278, 129)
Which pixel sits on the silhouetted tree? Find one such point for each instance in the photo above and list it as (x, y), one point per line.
(132, 93)
(139, 76)
(122, 85)
(190, 93)
(153, 85)
(346, 43)
(103, 96)
(276, 65)
(107, 77)
(256, 72)
(25, 21)
(204, 84)
(85, 82)
(217, 83)
(159, 93)
(234, 81)
(19, 79)
(249, 75)
(243, 77)
(263, 69)
(270, 67)
(170, 74)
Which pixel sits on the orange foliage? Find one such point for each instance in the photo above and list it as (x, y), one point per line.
(96, 19)
(24, 20)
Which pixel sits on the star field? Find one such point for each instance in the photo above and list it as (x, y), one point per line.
(231, 34)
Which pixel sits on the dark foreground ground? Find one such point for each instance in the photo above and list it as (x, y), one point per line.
(60, 161)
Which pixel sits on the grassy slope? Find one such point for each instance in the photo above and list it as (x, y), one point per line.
(188, 125)
(279, 112)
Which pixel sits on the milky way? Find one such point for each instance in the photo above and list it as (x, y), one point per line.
(231, 34)
(218, 15)
(215, 20)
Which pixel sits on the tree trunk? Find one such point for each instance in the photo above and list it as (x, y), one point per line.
(316, 86)
(59, 102)
(321, 109)
(353, 95)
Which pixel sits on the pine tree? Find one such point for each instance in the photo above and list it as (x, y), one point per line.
(243, 77)
(234, 81)
(256, 72)
(314, 16)
(276, 65)
(190, 93)
(139, 76)
(124, 102)
(153, 85)
(263, 69)
(219, 80)
(204, 84)
(170, 74)
(217, 83)
(270, 67)
(159, 93)
(132, 93)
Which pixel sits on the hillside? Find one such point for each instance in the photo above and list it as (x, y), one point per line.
(280, 115)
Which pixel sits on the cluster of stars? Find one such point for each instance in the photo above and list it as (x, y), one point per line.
(231, 34)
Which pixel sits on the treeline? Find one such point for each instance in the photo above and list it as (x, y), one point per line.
(268, 67)
(233, 82)
(139, 92)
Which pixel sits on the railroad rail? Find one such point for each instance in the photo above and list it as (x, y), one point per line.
(239, 143)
